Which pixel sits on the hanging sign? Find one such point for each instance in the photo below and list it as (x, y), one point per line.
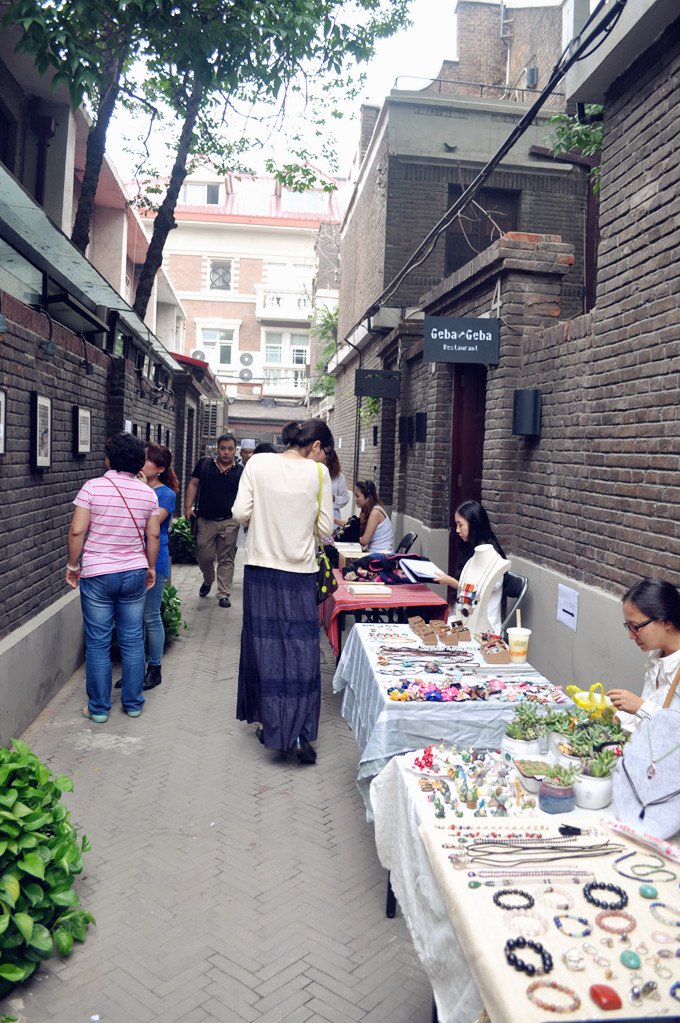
(377, 383)
(461, 339)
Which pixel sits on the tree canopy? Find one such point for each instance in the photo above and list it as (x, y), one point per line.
(201, 59)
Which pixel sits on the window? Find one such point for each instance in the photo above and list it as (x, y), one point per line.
(303, 202)
(299, 356)
(197, 194)
(220, 274)
(483, 221)
(273, 349)
(218, 345)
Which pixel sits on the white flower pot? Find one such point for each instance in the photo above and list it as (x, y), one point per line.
(523, 748)
(566, 760)
(554, 740)
(593, 793)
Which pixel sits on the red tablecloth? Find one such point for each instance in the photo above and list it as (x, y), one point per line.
(415, 595)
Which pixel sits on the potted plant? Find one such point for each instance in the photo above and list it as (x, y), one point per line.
(556, 792)
(557, 726)
(577, 748)
(593, 786)
(522, 733)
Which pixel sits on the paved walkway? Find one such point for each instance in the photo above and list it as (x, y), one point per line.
(228, 883)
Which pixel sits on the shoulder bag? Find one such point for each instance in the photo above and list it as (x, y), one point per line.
(326, 583)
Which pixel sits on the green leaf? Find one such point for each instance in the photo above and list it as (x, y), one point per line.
(24, 923)
(33, 821)
(20, 747)
(64, 896)
(33, 892)
(63, 940)
(12, 973)
(63, 783)
(4, 922)
(33, 864)
(41, 940)
(9, 797)
(86, 845)
(9, 883)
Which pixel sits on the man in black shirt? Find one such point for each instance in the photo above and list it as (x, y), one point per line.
(215, 481)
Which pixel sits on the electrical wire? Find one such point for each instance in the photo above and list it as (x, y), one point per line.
(575, 51)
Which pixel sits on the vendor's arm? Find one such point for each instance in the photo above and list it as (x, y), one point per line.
(80, 523)
(445, 580)
(374, 520)
(624, 699)
(190, 497)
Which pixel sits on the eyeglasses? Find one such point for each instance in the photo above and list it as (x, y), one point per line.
(630, 627)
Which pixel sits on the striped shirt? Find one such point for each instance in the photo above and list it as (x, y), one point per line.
(113, 543)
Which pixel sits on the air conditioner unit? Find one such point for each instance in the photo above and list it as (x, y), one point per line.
(245, 374)
(198, 354)
(246, 358)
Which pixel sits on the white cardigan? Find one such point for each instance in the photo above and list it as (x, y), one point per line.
(277, 501)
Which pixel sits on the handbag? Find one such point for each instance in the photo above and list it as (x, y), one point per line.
(326, 583)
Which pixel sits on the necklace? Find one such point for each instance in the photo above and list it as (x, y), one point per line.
(640, 870)
(652, 802)
(651, 770)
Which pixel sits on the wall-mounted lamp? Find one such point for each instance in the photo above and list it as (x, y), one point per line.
(46, 345)
(526, 413)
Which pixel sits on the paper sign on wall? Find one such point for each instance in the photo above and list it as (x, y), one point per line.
(567, 606)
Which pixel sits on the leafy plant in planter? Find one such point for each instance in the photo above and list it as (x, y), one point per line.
(600, 764)
(526, 724)
(171, 612)
(557, 721)
(39, 856)
(561, 776)
(183, 542)
(556, 792)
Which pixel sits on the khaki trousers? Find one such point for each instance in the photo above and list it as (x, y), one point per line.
(217, 540)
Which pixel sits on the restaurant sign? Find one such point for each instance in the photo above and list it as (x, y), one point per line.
(461, 339)
(377, 383)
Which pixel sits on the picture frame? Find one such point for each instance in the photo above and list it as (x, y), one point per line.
(3, 420)
(41, 431)
(82, 430)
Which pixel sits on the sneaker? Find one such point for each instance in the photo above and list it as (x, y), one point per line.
(205, 589)
(133, 713)
(153, 676)
(99, 719)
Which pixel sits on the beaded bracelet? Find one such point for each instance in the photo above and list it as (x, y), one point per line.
(559, 917)
(653, 907)
(563, 901)
(520, 923)
(592, 886)
(550, 1006)
(528, 968)
(606, 914)
(513, 891)
(675, 991)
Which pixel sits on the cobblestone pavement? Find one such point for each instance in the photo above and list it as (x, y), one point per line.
(228, 882)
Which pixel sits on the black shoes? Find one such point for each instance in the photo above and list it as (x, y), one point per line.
(224, 602)
(204, 590)
(153, 676)
(304, 751)
(259, 734)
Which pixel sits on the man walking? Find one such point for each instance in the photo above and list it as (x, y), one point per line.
(215, 481)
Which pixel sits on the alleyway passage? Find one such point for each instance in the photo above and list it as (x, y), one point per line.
(227, 883)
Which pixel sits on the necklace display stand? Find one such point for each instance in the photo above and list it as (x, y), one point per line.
(483, 571)
(646, 784)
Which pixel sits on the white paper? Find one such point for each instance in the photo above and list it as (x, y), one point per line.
(419, 571)
(567, 606)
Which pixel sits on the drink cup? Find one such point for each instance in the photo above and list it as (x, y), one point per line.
(518, 644)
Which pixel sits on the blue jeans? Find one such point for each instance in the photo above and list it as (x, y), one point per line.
(153, 623)
(119, 597)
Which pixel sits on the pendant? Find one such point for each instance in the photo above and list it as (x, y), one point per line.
(651, 770)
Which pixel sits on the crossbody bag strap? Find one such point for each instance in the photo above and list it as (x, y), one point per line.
(318, 499)
(671, 691)
(139, 532)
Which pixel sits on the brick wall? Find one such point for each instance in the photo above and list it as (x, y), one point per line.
(38, 504)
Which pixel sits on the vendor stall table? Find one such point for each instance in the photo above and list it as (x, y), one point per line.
(459, 934)
(384, 728)
(415, 596)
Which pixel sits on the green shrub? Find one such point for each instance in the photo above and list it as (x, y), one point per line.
(39, 856)
(171, 613)
(183, 543)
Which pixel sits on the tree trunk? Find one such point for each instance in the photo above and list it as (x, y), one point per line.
(165, 220)
(96, 145)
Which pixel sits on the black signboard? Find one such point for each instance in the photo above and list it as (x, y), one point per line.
(461, 339)
(377, 383)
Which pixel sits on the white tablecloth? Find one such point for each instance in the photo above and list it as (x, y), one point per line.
(384, 728)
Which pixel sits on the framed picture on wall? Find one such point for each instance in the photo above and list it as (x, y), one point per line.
(3, 420)
(82, 430)
(41, 431)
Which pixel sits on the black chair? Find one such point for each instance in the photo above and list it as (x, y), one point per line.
(514, 589)
(406, 543)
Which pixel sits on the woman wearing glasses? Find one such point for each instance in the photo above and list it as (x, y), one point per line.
(651, 610)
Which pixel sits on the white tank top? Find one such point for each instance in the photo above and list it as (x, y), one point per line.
(383, 537)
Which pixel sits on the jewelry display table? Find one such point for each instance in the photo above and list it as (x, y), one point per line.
(384, 728)
(465, 961)
(417, 596)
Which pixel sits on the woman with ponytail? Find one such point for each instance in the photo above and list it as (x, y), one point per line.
(375, 528)
(285, 501)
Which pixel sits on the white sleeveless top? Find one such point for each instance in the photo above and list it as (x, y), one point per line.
(383, 537)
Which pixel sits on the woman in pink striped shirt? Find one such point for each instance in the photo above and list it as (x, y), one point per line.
(113, 515)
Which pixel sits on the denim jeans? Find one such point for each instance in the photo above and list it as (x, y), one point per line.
(153, 623)
(119, 597)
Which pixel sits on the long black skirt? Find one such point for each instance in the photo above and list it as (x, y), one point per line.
(279, 675)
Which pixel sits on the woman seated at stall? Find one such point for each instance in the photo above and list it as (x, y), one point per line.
(375, 528)
(651, 612)
(473, 528)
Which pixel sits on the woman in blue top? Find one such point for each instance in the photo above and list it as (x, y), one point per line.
(158, 474)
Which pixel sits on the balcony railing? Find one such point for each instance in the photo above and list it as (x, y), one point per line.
(477, 90)
(282, 304)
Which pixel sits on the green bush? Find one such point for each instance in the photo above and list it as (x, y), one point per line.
(183, 543)
(171, 613)
(39, 856)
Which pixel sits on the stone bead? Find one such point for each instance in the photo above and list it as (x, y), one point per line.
(474, 884)
(630, 959)
(648, 891)
(605, 996)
